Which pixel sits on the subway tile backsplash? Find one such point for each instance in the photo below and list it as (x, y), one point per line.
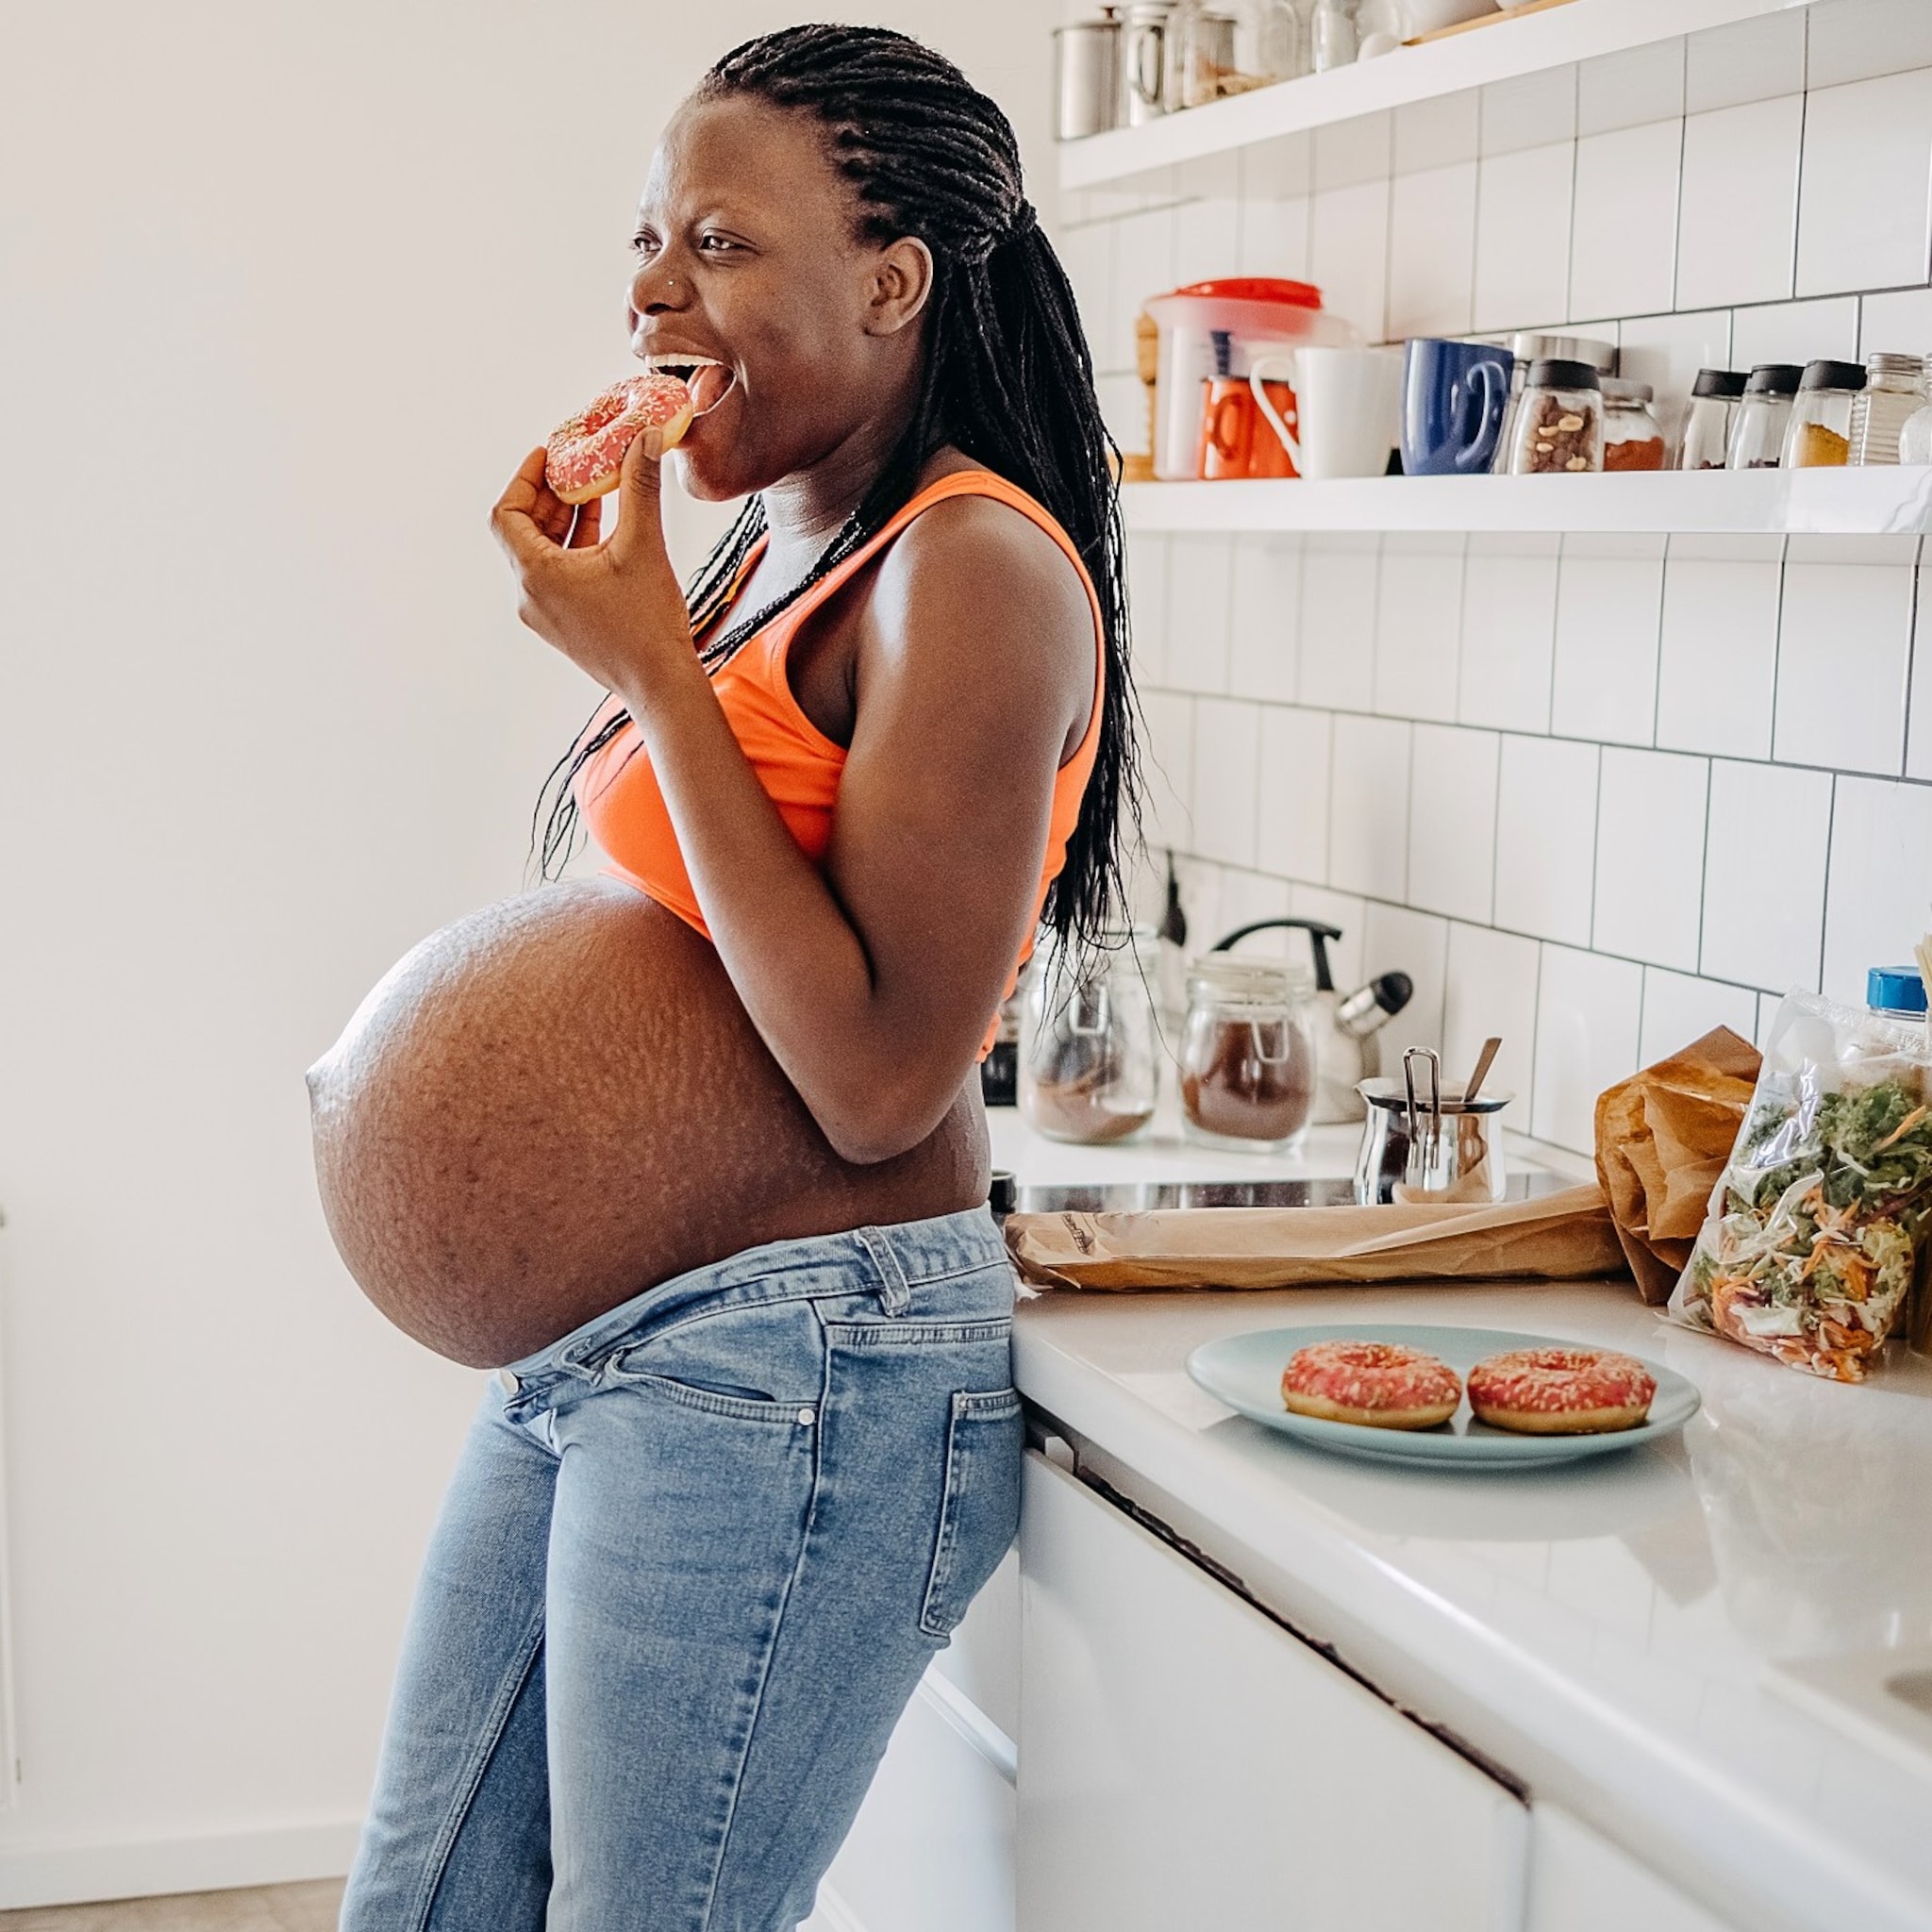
(1598, 794)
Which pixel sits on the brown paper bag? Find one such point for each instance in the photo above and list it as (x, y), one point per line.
(1662, 1138)
(1561, 1237)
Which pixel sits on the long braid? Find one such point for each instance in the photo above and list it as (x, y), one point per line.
(1009, 380)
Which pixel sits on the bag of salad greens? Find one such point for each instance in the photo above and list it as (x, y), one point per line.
(1818, 1224)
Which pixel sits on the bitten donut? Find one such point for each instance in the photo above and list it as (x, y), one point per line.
(1381, 1384)
(1561, 1391)
(585, 456)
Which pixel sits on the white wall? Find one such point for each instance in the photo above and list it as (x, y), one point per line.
(1594, 795)
(266, 719)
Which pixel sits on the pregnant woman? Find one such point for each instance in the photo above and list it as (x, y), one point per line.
(691, 1152)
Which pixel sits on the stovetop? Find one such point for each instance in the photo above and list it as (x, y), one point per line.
(1135, 1197)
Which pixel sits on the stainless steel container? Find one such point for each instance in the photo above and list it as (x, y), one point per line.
(1087, 76)
(1143, 62)
(1420, 1144)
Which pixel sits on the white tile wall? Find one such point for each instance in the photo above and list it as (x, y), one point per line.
(1678, 1008)
(1865, 209)
(1622, 253)
(1598, 796)
(1764, 876)
(1226, 750)
(1879, 900)
(1650, 855)
(1419, 626)
(1291, 835)
(1452, 821)
(1609, 609)
(1491, 987)
(1265, 618)
(1368, 828)
(1718, 655)
(1740, 205)
(1844, 638)
(1547, 838)
(1589, 1014)
(1509, 632)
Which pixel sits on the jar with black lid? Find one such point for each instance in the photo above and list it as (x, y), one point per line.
(1558, 426)
(1714, 399)
(1819, 436)
(1764, 413)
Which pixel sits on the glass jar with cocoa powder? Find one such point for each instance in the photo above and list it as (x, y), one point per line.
(1088, 1070)
(1247, 1060)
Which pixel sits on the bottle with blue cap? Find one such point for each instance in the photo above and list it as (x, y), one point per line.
(1897, 992)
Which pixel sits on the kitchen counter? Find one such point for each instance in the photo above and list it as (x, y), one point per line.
(1607, 1636)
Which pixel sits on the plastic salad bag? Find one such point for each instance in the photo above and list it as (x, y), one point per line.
(1818, 1222)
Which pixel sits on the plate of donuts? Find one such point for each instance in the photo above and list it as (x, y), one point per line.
(1489, 1398)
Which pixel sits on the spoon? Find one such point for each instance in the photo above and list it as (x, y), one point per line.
(1484, 1060)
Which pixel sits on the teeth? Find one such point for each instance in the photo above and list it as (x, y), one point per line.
(682, 363)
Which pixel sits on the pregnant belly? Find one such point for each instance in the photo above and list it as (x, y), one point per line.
(559, 1101)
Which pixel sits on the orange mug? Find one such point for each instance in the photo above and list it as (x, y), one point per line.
(1268, 456)
(1227, 429)
(1236, 438)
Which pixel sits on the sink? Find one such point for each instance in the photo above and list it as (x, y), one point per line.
(1883, 1697)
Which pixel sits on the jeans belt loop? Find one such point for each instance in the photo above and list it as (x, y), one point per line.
(895, 1294)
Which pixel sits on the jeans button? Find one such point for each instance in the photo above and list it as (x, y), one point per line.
(507, 1382)
(807, 1417)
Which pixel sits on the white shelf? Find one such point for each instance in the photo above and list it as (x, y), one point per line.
(1504, 50)
(1866, 503)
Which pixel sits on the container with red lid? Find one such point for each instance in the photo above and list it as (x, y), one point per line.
(1257, 313)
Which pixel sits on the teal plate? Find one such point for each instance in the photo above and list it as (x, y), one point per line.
(1245, 1371)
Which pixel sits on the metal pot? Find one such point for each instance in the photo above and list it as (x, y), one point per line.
(1420, 1144)
(1087, 76)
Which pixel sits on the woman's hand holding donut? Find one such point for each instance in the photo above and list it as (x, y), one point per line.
(614, 606)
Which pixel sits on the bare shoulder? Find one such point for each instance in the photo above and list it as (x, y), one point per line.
(976, 575)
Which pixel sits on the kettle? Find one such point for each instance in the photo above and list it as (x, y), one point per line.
(1347, 1049)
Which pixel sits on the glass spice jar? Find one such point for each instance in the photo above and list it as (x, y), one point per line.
(1247, 1062)
(1819, 436)
(1894, 388)
(1714, 399)
(1632, 438)
(1558, 426)
(1088, 1070)
(1915, 438)
(1758, 436)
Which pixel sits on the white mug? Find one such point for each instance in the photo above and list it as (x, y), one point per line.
(1349, 403)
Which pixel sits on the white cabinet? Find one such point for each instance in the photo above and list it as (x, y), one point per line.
(932, 1847)
(1579, 1882)
(1185, 1762)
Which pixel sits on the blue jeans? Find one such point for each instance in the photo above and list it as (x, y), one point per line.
(693, 1562)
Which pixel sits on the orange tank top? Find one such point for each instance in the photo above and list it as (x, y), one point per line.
(798, 765)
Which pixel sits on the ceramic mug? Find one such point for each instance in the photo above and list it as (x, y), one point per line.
(1232, 442)
(1453, 398)
(1348, 401)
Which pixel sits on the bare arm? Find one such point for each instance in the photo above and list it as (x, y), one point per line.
(871, 982)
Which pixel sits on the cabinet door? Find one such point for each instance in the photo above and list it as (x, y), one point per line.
(1579, 1882)
(1185, 1762)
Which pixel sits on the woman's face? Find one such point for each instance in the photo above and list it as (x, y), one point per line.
(746, 255)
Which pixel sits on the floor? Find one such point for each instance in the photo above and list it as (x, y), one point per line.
(310, 1907)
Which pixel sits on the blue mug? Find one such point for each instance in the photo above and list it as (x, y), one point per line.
(1452, 399)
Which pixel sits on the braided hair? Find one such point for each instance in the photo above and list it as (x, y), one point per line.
(1008, 380)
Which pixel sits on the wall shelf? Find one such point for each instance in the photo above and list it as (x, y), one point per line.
(1774, 503)
(1507, 50)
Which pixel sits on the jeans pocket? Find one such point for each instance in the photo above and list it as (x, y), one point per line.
(979, 1511)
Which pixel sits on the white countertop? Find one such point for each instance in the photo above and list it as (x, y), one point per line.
(1603, 1633)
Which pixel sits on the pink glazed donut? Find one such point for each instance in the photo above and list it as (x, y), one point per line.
(1561, 1392)
(1382, 1385)
(585, 456)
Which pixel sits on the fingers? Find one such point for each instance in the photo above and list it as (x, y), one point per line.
(519, 513)
(586, 528)
(640, 494)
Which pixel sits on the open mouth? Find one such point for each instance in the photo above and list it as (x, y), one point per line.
(708, 379)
